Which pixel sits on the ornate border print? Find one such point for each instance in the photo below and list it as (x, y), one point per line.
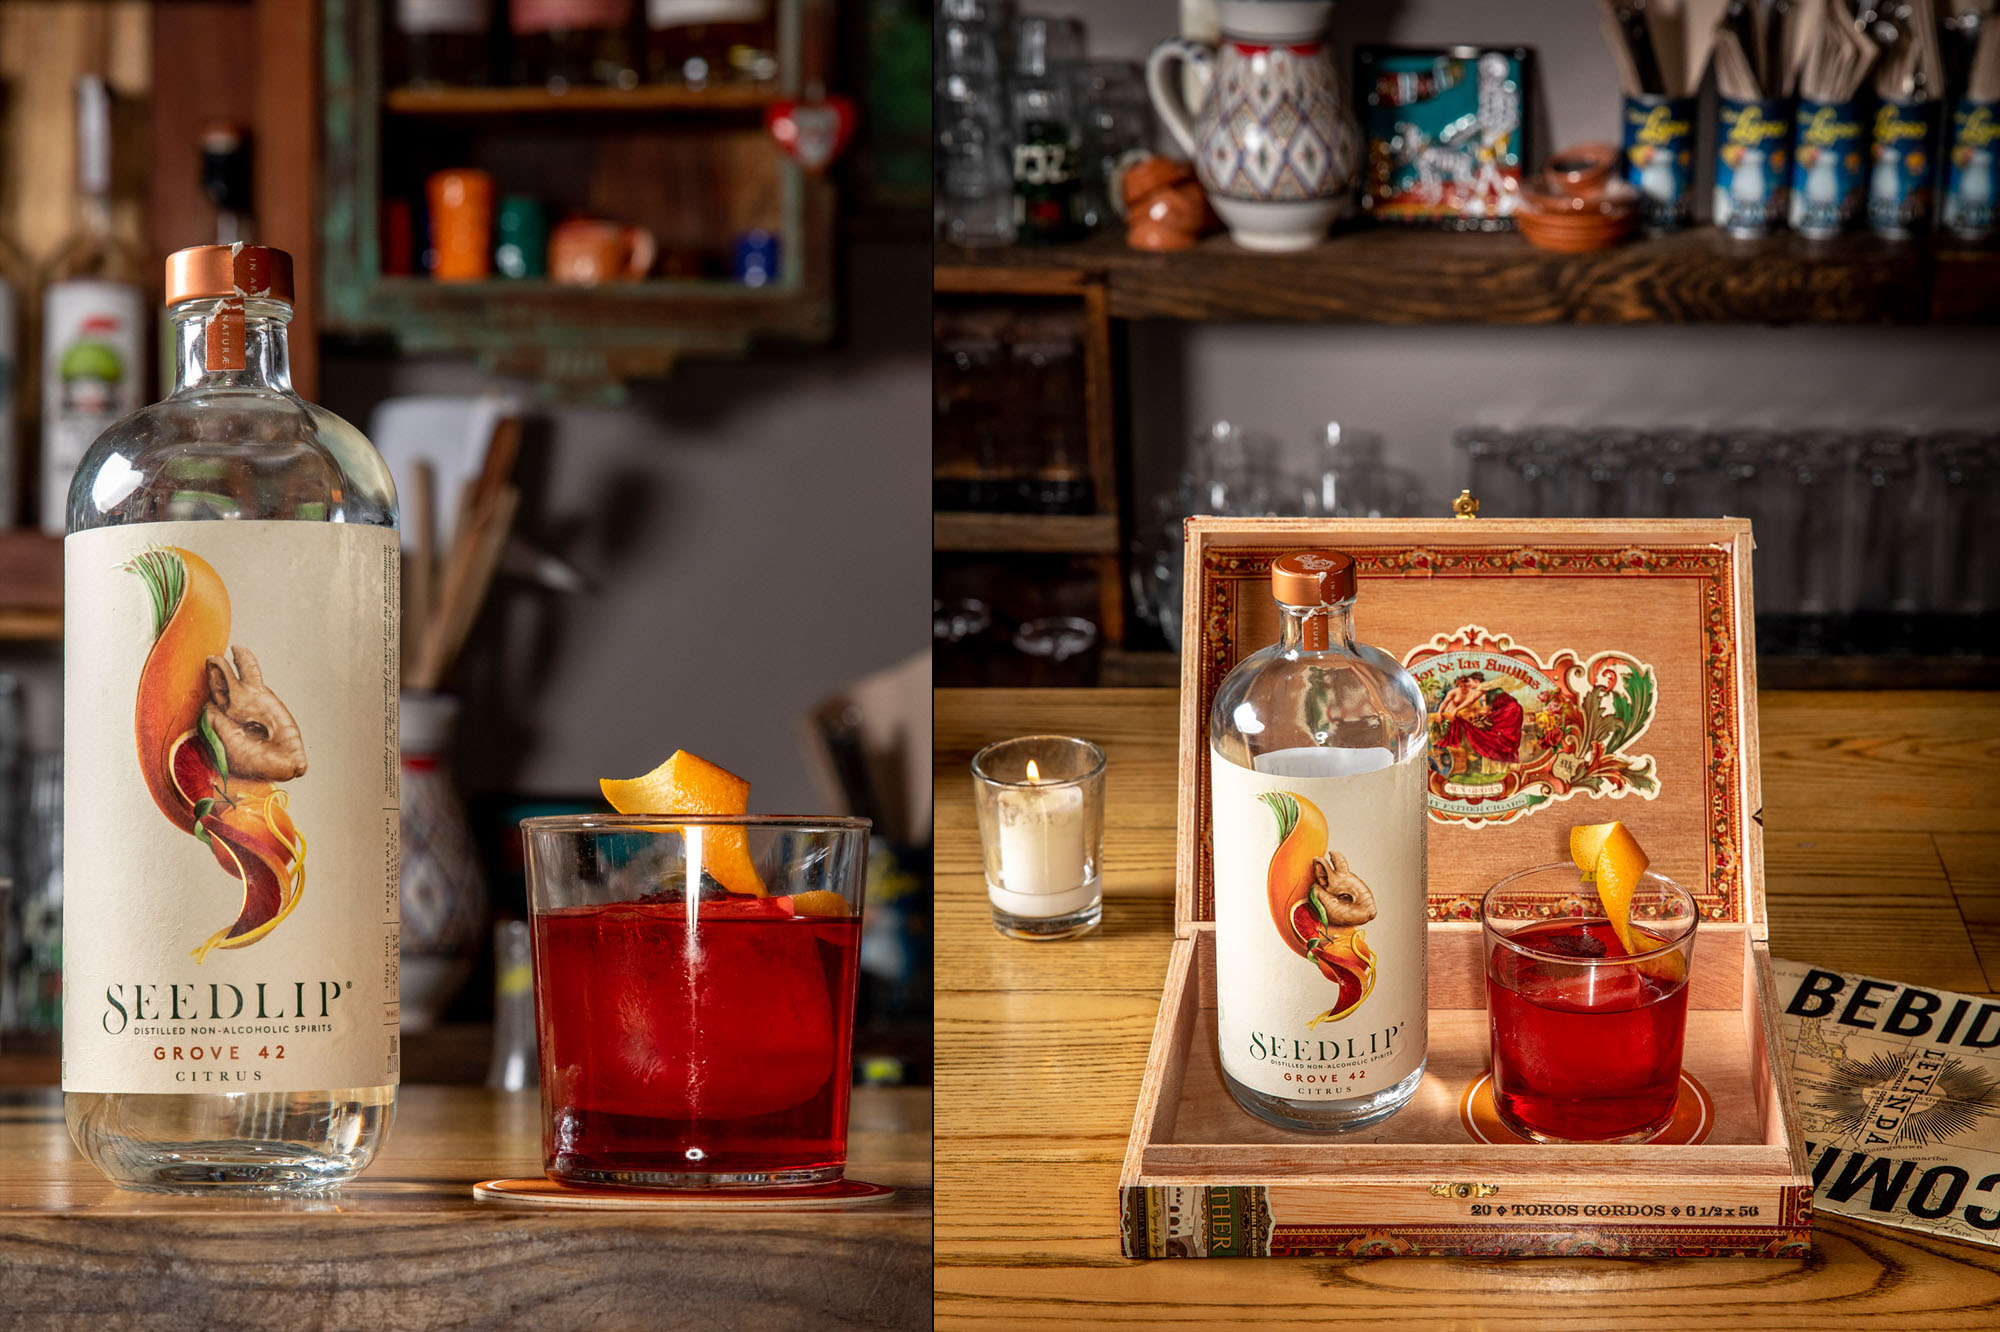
(1511, 732)
(1230, 573)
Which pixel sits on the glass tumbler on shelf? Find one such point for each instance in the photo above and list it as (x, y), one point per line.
(1819, 465)
(1040, 802)
(561, 44)
(1541, 458)
(1347, 478)
(1962, 486)
(1747, 481)
(1586, 1037)
(1669, 471)
(1233, 470)
(695, 1033)
(971, 381)
(1600, 477)
(1059, 651)
(1116, 119)
(1489, 470)
(1047, 363)
(1888, 516)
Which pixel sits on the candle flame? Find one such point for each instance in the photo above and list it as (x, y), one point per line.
(1034, 773)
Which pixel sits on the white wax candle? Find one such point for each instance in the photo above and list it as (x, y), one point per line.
(1043, 867)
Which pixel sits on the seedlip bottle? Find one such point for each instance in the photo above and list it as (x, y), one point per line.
(230, 779)
(1316, 774)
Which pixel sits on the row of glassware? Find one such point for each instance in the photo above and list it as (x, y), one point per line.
(1875, 521)
(1891, 526)
(1029, 134)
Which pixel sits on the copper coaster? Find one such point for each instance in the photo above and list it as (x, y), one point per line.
(1694, 1115)
(542, 1191)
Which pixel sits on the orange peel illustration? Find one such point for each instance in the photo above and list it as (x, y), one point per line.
(1319, 904)
(246, 824)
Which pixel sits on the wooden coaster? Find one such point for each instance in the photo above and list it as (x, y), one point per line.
(1694, 1115)
(544, 1192)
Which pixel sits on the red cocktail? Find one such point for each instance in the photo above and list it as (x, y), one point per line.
(1587, 1037)
(694, 1048)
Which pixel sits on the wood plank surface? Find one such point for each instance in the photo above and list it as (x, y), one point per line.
(1392, 276)
(1041, 1047)
(406, 1245)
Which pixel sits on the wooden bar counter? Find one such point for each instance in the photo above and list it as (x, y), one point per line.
(1882, 838)
(407, 1246)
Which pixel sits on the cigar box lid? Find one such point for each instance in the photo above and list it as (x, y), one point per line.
(1621, 650)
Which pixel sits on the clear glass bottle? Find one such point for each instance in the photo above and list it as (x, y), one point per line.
(1045, 128)
(700, 42)
(93, 315)
(563, 44)
(440, 43)
(1316, 774)
(259, 530)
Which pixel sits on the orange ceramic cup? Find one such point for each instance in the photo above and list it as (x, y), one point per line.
(585, 252)
(461, 224)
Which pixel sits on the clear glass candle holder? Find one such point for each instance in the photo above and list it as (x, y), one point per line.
(1041, 829)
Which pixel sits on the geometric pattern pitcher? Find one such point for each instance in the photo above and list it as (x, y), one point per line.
(1271, 137)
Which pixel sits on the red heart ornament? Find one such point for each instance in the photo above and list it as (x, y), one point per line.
(813, 133)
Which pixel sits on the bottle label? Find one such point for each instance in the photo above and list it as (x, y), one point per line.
(1319, 921)
(576, 15)
(230, 808)
(441, 15)
(93, 370)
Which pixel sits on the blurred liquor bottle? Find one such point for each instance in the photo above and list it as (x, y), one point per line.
(225, 180)
(699, 42)
(1045, 128)
(563, 44)
(440, 43)
(94, 316)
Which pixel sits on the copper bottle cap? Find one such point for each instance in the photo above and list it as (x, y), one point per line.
(208, 272)
(1313, 577)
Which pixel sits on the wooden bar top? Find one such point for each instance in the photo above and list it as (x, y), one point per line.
(1877, 809)
(407, 1246)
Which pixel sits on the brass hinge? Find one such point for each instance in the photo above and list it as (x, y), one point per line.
(1465, 1190)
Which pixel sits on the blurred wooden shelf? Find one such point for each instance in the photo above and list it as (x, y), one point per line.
(1393, 276)
(31, 587)
(531, 101)
(1033, 533)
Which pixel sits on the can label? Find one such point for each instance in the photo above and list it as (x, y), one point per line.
(1320, 929)
(1826, 168)
(230, 829)
(1968, 192)
(1659, 159)
(1752, 165)
(1899, 182)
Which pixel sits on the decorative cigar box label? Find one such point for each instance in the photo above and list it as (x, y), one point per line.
(1319, 923)
(230, 799)
(1511, 732)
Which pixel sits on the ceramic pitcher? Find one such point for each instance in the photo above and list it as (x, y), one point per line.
(1270, 134)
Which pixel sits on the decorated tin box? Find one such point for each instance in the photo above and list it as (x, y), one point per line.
(1629, 646)
(1445, 131)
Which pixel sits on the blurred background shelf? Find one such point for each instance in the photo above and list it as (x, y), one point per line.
(1080, 534)
(31, 585)
(535, 101)
(1391, 276)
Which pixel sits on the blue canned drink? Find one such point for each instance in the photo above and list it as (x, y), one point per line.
(1659, 159)
(1826, 168)
(1899, 182)
(757, 257)
(1969, 183)
(1752, 165)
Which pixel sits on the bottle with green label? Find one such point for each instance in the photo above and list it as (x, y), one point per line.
(230, 858)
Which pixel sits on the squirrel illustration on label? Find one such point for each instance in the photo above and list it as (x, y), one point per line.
(214, 740)
(1319, 903)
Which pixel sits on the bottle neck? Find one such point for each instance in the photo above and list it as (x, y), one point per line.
(199, 329)
(1318, 628)
(93, 214)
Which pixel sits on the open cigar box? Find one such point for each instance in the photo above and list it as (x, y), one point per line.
(1644, 630)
